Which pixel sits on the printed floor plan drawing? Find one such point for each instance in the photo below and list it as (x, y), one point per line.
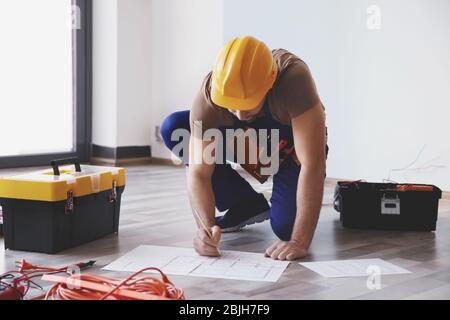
(185, 261)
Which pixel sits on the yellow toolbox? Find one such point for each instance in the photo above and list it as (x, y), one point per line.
(62, 207)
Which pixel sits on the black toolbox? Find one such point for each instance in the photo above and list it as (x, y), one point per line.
(52, 210)
(387, 206)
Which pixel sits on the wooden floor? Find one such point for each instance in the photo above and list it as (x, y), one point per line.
(155, 211)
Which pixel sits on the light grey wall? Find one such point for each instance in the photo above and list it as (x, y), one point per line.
(134, 73)
(149, 59)
(104, 73)
(387, 91)
(121, 72)
(186, 36)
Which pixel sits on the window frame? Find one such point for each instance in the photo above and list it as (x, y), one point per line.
(82, 75)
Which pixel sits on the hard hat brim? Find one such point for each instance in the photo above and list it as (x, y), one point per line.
(242, 104)
(232, 103)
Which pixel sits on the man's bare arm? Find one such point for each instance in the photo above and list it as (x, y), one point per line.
(201, 198)
(309, 139)
(200, 191)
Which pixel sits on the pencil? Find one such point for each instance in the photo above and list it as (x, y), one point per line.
(203, 224)
(205, 227)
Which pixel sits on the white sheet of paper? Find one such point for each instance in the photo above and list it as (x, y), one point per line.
(353, 268)
(185, 261)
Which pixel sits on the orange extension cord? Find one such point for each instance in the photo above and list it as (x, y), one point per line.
(15, 284)
(94, 287)
(146, 287)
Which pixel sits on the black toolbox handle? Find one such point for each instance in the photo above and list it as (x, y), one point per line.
(59, 162)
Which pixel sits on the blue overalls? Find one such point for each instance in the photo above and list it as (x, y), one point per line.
(230, 187)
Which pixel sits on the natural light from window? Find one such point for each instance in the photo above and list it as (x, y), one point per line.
(36, 87)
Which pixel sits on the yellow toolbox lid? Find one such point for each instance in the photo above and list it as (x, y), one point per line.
(43, 185)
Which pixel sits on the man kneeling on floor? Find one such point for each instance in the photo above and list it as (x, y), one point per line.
(253, 87)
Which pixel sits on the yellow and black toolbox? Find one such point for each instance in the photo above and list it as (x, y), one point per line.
(62, 207)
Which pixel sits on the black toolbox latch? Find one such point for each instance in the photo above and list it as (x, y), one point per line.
(113, 194)
(69, 203)
(390, 202)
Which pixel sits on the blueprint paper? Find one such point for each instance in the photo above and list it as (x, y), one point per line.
(186, 262)
(353, 268)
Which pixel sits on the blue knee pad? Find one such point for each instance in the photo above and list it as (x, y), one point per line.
(282, 221)
(284, 199)
(176, 120)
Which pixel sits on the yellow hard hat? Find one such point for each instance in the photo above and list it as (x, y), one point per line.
(244, 72)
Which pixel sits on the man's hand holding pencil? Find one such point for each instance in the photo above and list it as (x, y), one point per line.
(206, 245)
(206, 240)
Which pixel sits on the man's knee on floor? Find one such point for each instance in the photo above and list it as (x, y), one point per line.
(174, 121)
(282, 226)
